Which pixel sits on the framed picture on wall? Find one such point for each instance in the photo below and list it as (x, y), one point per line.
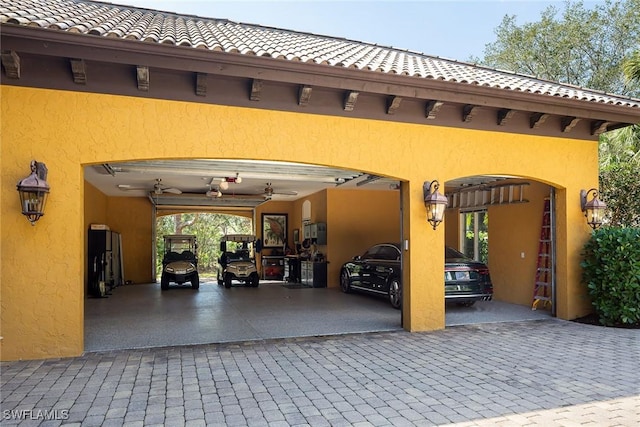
(296, 235)
(274, 230)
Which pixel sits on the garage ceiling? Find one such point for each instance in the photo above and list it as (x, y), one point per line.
(196, 182)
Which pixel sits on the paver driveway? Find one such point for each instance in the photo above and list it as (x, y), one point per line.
(547, 372)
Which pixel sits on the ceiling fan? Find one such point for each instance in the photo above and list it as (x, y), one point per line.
(214, 193)
(158, 188)
(269, 192)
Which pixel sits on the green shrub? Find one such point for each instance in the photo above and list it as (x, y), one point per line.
(611, 271)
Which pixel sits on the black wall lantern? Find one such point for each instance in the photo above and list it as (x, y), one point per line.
(593, 209)
(33, 192)
(434, 202)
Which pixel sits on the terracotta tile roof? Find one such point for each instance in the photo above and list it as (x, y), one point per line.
(125, 22)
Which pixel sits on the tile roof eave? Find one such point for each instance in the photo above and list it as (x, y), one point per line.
(346, 78)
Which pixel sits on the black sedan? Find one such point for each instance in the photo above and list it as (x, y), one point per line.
(378, 271)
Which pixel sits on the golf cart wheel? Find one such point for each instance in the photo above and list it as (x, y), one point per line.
(195, 282)
(164, 283)
(227, 280)
(254, 280)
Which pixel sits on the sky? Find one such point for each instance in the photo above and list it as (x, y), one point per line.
(453, 29)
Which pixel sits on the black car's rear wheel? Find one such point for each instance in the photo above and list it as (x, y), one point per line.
(395, 293)
(345, 285)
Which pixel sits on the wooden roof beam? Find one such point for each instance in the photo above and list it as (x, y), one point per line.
(504, 115)
(432, 108)
(142, 74)
(537, 119)
(568, 123)
(468, 111)
(201, 84)
(304, 96)
(350, 100)
(256, 89)
(11, 64)
(79, 71)
(393, 104)
(599, 126)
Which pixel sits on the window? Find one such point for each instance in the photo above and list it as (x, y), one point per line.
(389, 253)
(474, 235)
(372, 253)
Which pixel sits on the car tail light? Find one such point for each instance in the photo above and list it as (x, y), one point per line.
(485, 278)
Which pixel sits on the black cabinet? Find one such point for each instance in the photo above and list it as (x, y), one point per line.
(104, 262)
(292, 269)
(314, 274)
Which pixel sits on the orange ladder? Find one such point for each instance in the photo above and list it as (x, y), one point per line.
(542, 289)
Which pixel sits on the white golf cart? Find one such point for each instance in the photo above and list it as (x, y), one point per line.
(237, 262)
(180, 261)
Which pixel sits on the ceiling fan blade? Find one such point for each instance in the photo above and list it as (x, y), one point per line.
(269, 191)
(172, 190)
(127, 187)
(286, 193)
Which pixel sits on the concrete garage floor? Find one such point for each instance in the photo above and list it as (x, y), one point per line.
(140, 316)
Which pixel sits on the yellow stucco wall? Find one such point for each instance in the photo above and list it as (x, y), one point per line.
(514, 235)
(359, 219)
(133, 219)
(42, 282)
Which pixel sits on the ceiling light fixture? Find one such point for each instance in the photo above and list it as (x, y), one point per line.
(224, 181)
(213, 193)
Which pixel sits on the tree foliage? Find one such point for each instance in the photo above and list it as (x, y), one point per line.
(208, 229)
(631, 67)
(579, 46)
(619, 170)
(597, 48)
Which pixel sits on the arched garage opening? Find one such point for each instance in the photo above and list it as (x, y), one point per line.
(508, 223)
(357, 210)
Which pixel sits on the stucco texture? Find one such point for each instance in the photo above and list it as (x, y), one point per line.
(42, 266)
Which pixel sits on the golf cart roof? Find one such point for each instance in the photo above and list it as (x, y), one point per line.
(239, 238)
(183, 237)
